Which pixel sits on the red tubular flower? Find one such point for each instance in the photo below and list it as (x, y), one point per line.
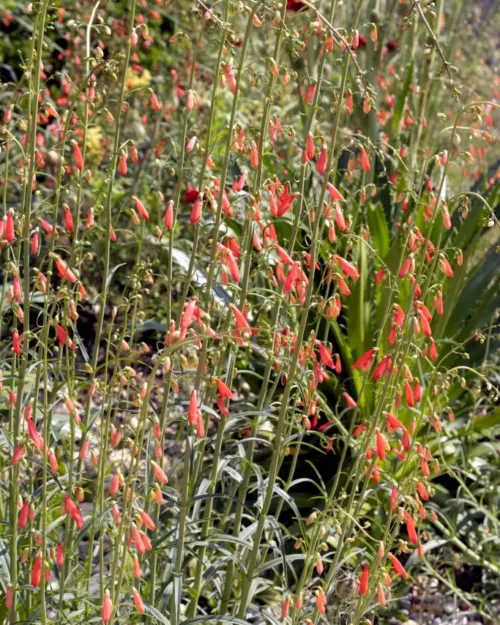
(411, 528)
(138, 602)
(325, 355)
(23, 515)
(141, 209)
(285, 608)
(16, 342)
(62, 337)
(168, 220)
(159, 473)
(190, 101)
(84, 449)
(335, 194)
(114, 485)
(417, 392)
(406, 441)
(349, 401)
(68, 220)
(36, 571)
(392, 337)
(223, 409)
(381, 596)
(446, 218)
(424, 324)
(364, 161)
(36, 438)
(200, 427)
(138, 540)
(359, 430)
(438, 303)
(134, 156)
(398, 567)
(117, 517)
(379, 276)
(381, 368)
(155, 103)
(424, 466)
(406, 267)
(74, 511)
(148, 521)
(393, 423)
(233, 265)
(291, 279)
(410, 400)
(349, 103)
(393, 499)
(365, 361)
(445, 267)
(77, 155)
(284, 256)
(196, 213)
(422, 491)
(321, 601)
(254, 157)
(363, 580)
(398, 316)
(188, 317)
(339, 217)
(348, 269)
(48, 227)
(35, 243)
(122, 165)
(240, 321)
(224, 390)
(64, 271)
(191, 143)
(343, 287)
(381, 444)
(59, 554)
(239, 184)
(433, 353)
(18, 455)
(193, 408)
(285, 201)
(107, 608)
(322, 161)
(7, 115)
(309, 95)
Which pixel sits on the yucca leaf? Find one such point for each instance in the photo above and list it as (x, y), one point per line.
(474, 291)
(379, 230)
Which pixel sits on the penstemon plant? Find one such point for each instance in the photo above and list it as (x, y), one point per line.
(249, 280)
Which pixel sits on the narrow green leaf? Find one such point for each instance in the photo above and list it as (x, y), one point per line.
(379, 230)
(401, 101)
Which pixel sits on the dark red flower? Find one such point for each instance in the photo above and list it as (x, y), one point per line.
(295, 5)
(191, 194)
